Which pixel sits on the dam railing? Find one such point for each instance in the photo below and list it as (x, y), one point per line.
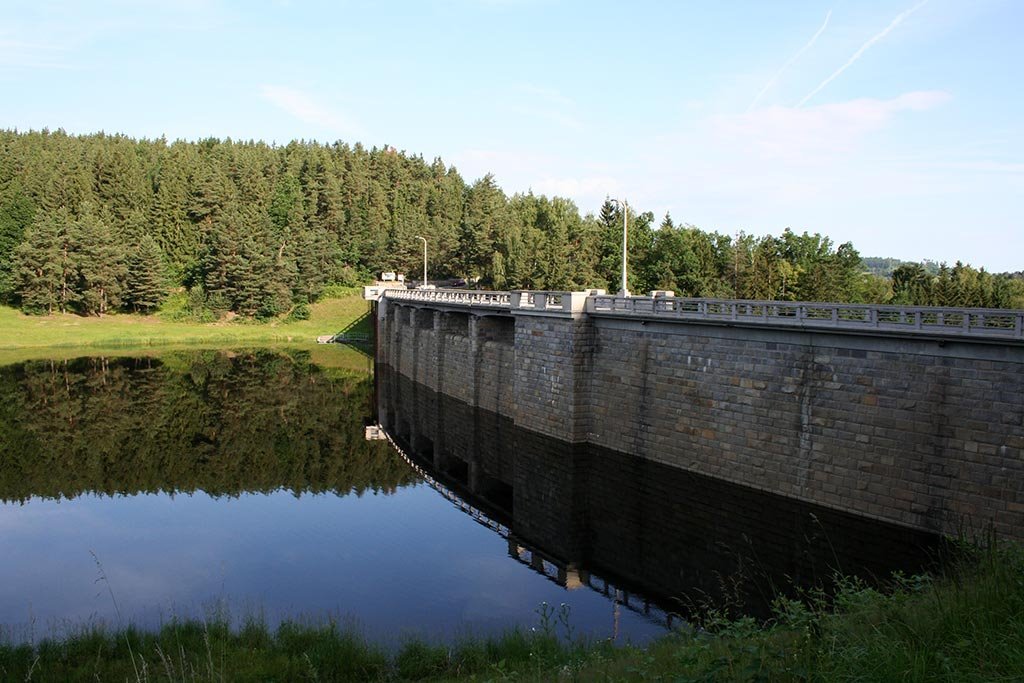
(972, 322)
(458, 297)
(980, 323)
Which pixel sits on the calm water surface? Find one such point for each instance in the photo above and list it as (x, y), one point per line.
(211, 481)
(241, 482)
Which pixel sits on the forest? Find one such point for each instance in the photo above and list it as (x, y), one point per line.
(94, 224)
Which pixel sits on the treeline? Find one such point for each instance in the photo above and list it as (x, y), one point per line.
(223, 423)
(99, 223)
(961, 285)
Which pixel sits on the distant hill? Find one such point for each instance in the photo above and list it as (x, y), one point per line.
(883, 267)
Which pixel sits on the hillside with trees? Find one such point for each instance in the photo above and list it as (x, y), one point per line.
(100, 223)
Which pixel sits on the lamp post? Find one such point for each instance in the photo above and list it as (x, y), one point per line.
(424, 260)
(624, 207)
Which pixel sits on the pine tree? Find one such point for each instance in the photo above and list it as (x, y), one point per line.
(100, 261)
(243, 266)
(120, 185)
(609, 216)
(765, 279)
(37, 264)
(483, 223)
(223, 263)
(444, 214)
(554, 221)
(911, 285)
(178, 237)
(609, 266)
(16, 214)
(286, 204)
(318, 261)
(145, 283)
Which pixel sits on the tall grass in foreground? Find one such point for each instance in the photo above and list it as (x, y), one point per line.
(967, 625)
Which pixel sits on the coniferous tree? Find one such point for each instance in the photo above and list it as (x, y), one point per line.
(179, 238)
(484, 221)
(145, 283)
(942, 290)
(609, 216)
(37, 265)
(911, 284)
(100, 265)
(610, 245)
(120, 185)
(16, 214)
(765, 282)
(444, 214)
(556, 220)
(242, 264)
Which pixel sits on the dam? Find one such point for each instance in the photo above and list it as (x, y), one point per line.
(908, 416)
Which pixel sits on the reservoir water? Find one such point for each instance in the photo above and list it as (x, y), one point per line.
(194, 483)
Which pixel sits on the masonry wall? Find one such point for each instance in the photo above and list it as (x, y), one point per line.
(919, 432)
(553, 357)
(647, 526)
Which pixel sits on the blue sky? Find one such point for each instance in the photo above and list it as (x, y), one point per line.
(896, 125)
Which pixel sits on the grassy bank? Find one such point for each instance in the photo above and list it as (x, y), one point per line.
(23, 333)
(966, 626)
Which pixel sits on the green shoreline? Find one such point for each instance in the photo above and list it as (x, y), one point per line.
(26, 337)
(967, 625)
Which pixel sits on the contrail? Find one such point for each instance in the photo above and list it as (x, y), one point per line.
(863, 48)
(778, 74)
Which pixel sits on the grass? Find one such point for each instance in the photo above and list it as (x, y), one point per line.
(23, 337)
(967, 625)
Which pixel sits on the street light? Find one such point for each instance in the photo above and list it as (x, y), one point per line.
(624, 207)
(424, 260)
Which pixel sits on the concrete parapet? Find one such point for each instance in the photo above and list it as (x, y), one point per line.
(548, 303)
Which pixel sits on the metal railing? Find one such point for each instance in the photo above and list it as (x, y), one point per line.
(518, 300)
(458, 297)
(964, 322)
(972, 322)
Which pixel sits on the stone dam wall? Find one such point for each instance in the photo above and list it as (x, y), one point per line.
(657, 530)
(923, 432)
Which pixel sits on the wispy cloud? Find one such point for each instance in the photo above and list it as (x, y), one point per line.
(805, 133)
(762, 169)
(900, 18)
(792, 60)
(305, 108)
(587, 190)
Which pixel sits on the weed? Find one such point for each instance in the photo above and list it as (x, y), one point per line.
(964, 625)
